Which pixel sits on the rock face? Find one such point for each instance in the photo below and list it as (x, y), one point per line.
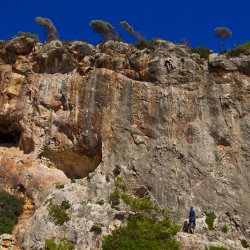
(69, 110)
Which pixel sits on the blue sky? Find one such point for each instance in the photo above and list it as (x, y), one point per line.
(172, 20)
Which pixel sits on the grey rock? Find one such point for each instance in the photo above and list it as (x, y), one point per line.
(220, 61)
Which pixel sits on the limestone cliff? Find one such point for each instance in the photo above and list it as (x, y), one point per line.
(75, 110)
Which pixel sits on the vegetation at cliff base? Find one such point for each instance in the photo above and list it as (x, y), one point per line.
(210, 217)
(11, 207)
(64, 244)
(142, 233)
(149, 228)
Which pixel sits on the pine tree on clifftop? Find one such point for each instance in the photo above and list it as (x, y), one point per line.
(49, 27)
(105, 29)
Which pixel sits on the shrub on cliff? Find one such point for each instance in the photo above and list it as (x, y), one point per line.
(202, 51)
(240, 49)
(64, 244)
(11, 208)
(117, 170)
(105, 29)
(224, 229)
(96, 229)
(49, 28)
(59, 213)
(244, 243)
(28, 35)
(210, 217)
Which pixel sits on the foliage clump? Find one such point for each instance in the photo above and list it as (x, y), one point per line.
(139, 204)
(11, 207)
(141, 43)
(117, 170)
(28, 35)
(244, 243)
(100, 202)
(59, 213)
(114, 199)
(131, 31)
(142, 233)
(64, 244)
(150, 228)
(50, 29)
(240, 49)
(105, 29)
(96, 229)
(202, 51)
(210, 217)
(224, 229)
(59, 186)
(144, 44)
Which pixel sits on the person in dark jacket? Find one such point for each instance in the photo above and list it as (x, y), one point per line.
(192, 218)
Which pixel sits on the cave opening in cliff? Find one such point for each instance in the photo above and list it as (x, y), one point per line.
(10, 133)
(75, 164)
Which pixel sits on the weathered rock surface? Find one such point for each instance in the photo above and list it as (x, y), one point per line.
(67, 111)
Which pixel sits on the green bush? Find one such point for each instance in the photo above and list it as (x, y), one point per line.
(96, 229)
(118, 179)
(6, 225)
(107, 178)
(59, 213)
(28, 35)
(140, 204)
(240, 49)
(122, 186)
(11, 207)
(65, 204)
(151, 228)
(100, 202)
(59, 186)
(64, 244)
(202, 51)
(144, 44)
(114, 199)
(224, 229)
(210, 217)
(142, 233)
(244, 243)
(117, 170)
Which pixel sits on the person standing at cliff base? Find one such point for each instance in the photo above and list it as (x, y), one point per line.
(192, 218)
